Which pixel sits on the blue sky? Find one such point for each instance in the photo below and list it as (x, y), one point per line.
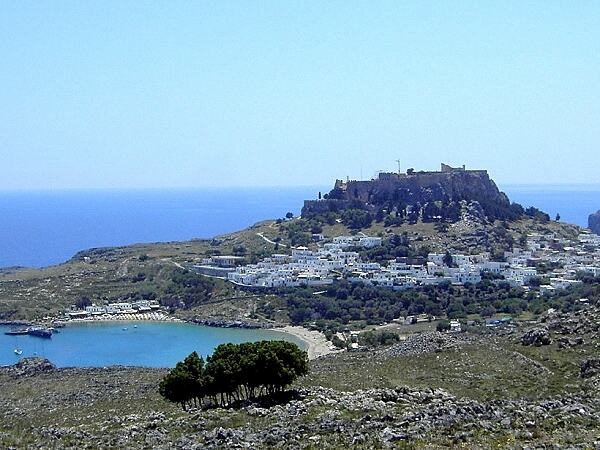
(153, 94)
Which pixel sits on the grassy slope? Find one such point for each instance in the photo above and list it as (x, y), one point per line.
(108, 274)
(491, 370)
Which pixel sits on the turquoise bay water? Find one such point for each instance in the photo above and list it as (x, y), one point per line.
(151, 344)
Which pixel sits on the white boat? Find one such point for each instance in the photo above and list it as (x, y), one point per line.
(18, 351)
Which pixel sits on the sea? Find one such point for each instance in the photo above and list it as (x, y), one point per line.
(43, 228)
(144, 344)
(39, 229)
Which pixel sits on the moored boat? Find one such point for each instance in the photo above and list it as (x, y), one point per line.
(17, 331)
(40, 332)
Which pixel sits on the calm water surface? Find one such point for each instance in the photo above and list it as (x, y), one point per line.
(574, 203)
(151, 344)
(44, 228)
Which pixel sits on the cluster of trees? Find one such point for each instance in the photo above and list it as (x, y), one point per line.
(495, 210)
(396, 246)
(234, 372)
(378, 338)
(393, 213)
(397, 212)
(300, 231)
(443, 325)
(538, 215)
(343, 302)
(187, 289)
(356, 218)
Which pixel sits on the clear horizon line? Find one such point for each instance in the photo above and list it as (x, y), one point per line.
(217, 187)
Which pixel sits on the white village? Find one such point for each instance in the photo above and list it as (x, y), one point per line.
(566, 260)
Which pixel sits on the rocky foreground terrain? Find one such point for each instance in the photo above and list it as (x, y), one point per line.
(530, 387)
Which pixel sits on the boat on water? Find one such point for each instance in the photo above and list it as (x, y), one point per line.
(18, 351)
(17, 331)
(31, 331)
(40, 332)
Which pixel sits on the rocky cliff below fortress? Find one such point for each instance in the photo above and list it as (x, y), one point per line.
(429, 194)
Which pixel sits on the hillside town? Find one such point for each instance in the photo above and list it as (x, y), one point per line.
(546, 263)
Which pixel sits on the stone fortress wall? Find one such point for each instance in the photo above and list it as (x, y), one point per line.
(450, 178)
(412, 186)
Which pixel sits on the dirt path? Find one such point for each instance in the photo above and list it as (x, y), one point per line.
(261, 235)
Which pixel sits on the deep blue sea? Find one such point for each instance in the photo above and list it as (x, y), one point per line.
(147, 344)
(574, 203)
(44, 228)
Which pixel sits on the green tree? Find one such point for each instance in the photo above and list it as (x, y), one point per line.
(447, 259)
(443, 325)
(82, 302)
(184, 383)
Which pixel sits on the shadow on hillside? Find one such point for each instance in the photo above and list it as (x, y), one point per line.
(264, 401)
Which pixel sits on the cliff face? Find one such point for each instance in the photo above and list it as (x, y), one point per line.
(426, 187)
(594, 222)
(425, 191)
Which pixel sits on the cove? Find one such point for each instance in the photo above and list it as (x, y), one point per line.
(144, 344)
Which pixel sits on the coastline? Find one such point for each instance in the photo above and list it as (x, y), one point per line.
(137, 317)
(317, 344)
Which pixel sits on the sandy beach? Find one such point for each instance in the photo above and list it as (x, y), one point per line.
(317, 344)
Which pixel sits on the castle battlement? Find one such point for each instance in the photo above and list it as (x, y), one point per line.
(444, 170)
